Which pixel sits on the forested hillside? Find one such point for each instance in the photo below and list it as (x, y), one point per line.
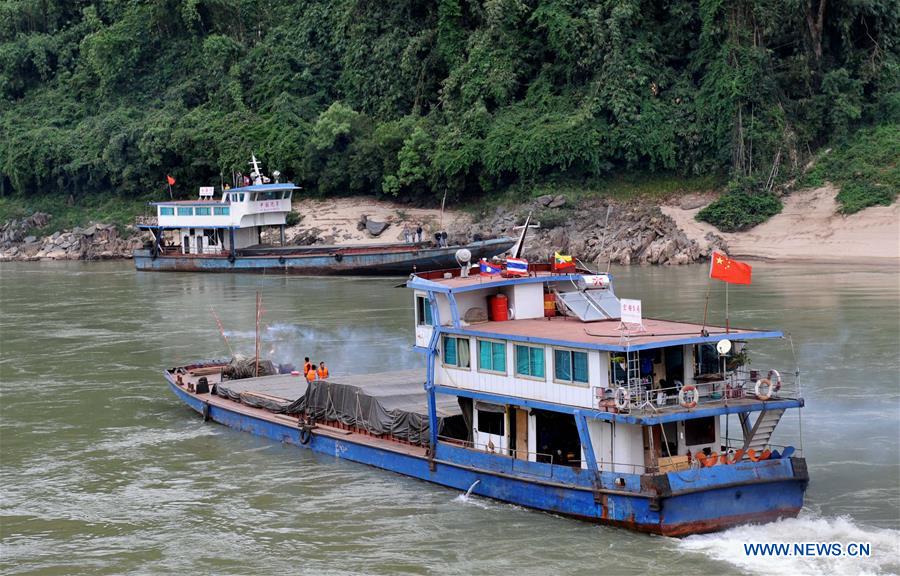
(416, 98)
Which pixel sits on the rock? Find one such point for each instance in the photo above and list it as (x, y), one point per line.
(544, 200)
(557, 202)
(29, 239)
(376, 228)
(361, 225)
(90, 231)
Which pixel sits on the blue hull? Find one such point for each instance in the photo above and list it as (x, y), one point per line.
(357, 261)
(674, 504)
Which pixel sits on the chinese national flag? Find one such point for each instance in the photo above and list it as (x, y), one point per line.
(724, 268)
(170, 180)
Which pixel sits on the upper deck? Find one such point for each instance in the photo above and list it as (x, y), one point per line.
(455, 294)
(244, 207)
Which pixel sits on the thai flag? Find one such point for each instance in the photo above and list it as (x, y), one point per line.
(517, 266)
(488, 269)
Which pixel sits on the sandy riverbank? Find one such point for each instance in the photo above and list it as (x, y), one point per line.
(809, 229)
(337, 219)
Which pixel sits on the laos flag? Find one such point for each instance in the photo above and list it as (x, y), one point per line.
(517, 266)
(488, 269)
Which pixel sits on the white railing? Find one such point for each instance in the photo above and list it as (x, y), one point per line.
(705, 390)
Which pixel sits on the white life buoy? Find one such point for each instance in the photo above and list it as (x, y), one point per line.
(683, 394)
(769, 389)
(622, 397)
(775, 378)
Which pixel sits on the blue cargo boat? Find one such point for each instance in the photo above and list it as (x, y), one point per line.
(545, 391)
(226, 235)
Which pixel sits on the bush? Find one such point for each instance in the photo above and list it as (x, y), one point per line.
(738, 211)
(292, 219)
(865, 167)
(858, 194)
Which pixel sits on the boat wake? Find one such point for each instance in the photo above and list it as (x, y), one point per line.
(729, 546)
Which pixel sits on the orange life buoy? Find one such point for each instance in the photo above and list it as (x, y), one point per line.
(775, 378)
(682, 396)
(769, 389)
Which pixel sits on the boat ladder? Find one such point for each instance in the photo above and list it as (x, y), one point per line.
(759, 435)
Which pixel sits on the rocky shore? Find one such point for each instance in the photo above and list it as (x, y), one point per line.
(635, 233)
(95, 242)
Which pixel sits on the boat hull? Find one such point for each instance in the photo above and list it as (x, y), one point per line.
(675, 504)
(396, 260)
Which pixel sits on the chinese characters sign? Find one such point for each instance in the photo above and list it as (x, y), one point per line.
(631, 311)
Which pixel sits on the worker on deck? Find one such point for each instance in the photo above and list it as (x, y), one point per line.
(311, 374)
(322, 372)
(307, 366)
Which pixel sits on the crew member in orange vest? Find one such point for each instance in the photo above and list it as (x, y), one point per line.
(311, 373)
(307, 366)
(322, 372)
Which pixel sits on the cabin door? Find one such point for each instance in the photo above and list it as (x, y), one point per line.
(186, 245)
(490, 428)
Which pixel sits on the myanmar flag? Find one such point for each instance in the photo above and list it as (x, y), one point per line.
(724, 268)
(563, 263)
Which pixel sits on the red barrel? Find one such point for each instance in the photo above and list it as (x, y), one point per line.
(549, 304)
(499, 307)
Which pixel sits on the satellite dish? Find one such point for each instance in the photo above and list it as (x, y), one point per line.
(723, 347)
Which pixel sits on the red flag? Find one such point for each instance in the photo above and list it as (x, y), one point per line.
(724, 268)
(171, 180)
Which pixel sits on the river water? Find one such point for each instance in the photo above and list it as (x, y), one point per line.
(103, 471)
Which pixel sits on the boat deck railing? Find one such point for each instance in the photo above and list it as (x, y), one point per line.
(713, 390)
(738, 443)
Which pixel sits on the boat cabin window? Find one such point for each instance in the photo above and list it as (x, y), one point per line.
(221, 211)
(491, 422)
(570, 366)
(700, 431)
(707, 358)
(423, 311)
(286, 194)
(202, 211)
(456, 352)
(185, 211)
(530, 361)
(166, 211)
(618, 374)
(492, 356)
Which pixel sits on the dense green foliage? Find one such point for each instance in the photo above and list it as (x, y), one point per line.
(866, 169)
(426, 97)
(739, 210)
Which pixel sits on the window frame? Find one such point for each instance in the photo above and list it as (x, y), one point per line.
(492, 341)
(572, 352)
(221, 211)
(166, 211)
(185, 211)
(423, 304)
(444, 355)
(202, 211)
(516, 372)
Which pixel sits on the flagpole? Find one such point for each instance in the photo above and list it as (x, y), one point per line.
(726, 308)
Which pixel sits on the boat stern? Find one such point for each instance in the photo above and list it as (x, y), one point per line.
(711, 499)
